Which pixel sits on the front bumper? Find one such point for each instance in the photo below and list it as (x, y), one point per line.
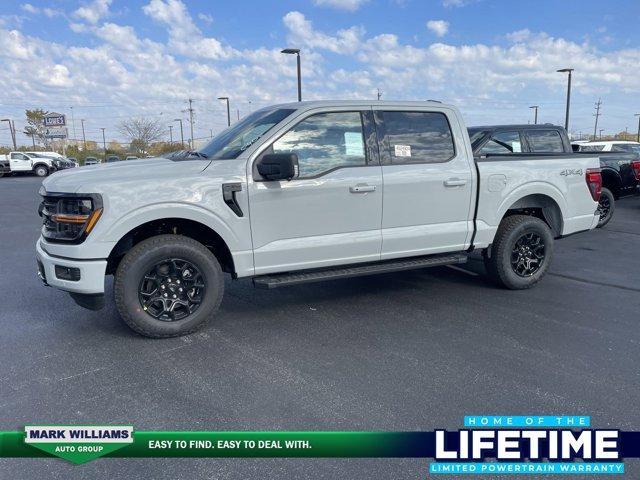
(92, 272)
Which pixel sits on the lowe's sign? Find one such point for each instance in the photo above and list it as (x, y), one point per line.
(55, 120)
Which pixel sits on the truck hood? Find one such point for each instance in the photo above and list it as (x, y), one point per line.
(93, 178)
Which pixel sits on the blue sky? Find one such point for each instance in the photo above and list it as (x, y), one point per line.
(114, 59)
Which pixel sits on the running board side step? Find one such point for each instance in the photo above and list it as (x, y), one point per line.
(357, 270)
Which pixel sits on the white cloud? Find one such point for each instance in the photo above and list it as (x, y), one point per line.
(302, 33)
(206, 18)
(438, 27)
(457, 3)
(349, 5)
(27, 7)
(48, 12)
(184, 36)
(94, 11)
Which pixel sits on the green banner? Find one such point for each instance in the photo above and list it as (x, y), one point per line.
(207, 444)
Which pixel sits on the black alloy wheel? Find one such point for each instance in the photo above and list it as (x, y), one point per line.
(172, 290)
(527, 254)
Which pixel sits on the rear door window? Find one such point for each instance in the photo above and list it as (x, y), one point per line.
(417, 137)
(545, 141)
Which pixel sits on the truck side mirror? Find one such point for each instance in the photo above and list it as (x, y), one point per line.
(278, 166)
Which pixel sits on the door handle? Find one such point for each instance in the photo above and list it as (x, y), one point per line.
(455, 182)
(362, 188)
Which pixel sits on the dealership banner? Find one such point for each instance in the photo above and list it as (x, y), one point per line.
(487, 444)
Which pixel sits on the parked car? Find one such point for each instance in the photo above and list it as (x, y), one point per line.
(5, 169)
(60, 162)
(305, 192)
(131, 157)
(620, 169)
(112, 158)
(91, 161)
(33, 162)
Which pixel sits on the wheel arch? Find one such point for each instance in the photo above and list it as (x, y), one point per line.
(612, 181)
(539, 205)
(41, 164)
(177, 226)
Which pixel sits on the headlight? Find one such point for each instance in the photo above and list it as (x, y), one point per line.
(69, 218)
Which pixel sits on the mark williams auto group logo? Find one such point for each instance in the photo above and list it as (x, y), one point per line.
(78, 444)
(527, 445)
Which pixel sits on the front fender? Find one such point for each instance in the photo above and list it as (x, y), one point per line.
(123, 225)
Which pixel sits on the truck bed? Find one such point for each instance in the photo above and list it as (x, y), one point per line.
(545, 179)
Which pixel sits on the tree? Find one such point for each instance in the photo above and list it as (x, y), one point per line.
(114, 146)
(141, 132)
(35, 125)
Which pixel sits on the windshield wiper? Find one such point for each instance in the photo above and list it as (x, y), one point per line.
(195, 153)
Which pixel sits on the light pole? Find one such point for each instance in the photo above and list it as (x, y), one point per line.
(601, 130)
(228, 111)
(170, 134)
(638, 137)
(535, 114)
(181, 132)
(566, 118)
(296, 52)
(104, 144)
(84, 139)
(12, 130)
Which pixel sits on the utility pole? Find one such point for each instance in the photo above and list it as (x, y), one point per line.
(73, 123)
(379, 93)
(638, 137)
(597, 115)
(211, 132)
(170, 134)
(535, 117)
(191, 123)
(181, 132)
(238, 113)
(12, 131)
(84, 139)
(104, 144)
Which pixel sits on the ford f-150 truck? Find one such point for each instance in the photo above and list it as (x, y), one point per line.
(305, 192)
(620, 166)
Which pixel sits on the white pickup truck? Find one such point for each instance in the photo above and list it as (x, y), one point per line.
(40, 163)
(306, 192)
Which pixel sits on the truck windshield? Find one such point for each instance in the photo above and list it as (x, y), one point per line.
(236, 139)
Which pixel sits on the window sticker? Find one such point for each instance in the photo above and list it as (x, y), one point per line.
(402, 150)
(515, 147)
(353, 144)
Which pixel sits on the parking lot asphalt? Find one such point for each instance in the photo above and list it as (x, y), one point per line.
(407, 351)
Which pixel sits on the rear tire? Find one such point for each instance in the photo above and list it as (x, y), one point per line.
(41, 171)
(170, 263)
(521, 252)
(606, 207)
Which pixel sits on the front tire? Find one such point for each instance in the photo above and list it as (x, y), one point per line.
(606, 207)
(521, 252)
(41, 171)
(168, 286)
